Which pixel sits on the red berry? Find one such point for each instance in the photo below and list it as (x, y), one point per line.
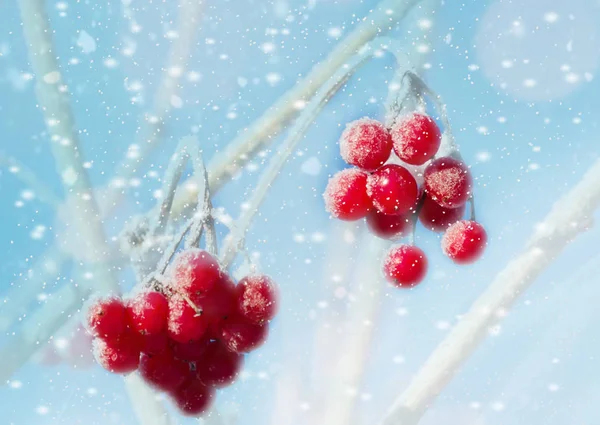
(405, 266)
(154, 344)
(194, 272)
(346, 195)
(163, 371)
(366, 143)
(388, 226)
(191, 351)
(392, 189)
(257, 298)
(147, 312)
(120, 355)
(241, 336)
(184, 323)
(464, 241)
(448, 182)
(416, 138)
(106, 317)
(193, 398)
(218, 367)
(437, 218)
(219, 304)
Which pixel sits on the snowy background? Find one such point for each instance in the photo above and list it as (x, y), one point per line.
(519, 79)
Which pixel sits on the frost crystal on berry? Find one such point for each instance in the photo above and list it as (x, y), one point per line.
(448, 182)
(147, 312)
(194, 272)
(416, 138)
(346, 195)
(392, 189)
(366, 143)
(185, 324)
(257, 298)
(405, 266)
(464, 242)
(118, 355)
(106, 317)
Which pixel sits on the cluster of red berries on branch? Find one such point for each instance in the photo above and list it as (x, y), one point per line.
(187, 335)
(382, 189)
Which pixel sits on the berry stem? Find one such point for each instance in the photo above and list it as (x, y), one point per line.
(415, 218)
(472, 208)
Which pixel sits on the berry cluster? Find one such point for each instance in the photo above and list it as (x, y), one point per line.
(382, 190)
(188, 336)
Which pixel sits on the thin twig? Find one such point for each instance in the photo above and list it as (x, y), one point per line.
(570, 216)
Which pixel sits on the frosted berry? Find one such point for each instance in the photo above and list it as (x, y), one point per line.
(194, 272)
(392, 189)
(388, 226)
(155, 343)
(184, 323)
(366, 143)
(257, 298)
(191, 351)
(448, 182)
(416, 138)
(193, 398)
(437, 218)
(405, 266)
(464, 241)
(241, 336)
(219, 303)
(106, 317)
(163, 371)
(218, 367)
(346, 195)
(147, 312)
(120, 355)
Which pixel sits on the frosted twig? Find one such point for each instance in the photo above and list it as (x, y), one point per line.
(43, 192)
(571, 215)
(242, 149)
(206, 204)
(171, 180)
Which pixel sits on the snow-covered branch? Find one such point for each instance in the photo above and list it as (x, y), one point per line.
(571, 215)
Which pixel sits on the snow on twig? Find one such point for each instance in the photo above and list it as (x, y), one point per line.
(571, 215)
